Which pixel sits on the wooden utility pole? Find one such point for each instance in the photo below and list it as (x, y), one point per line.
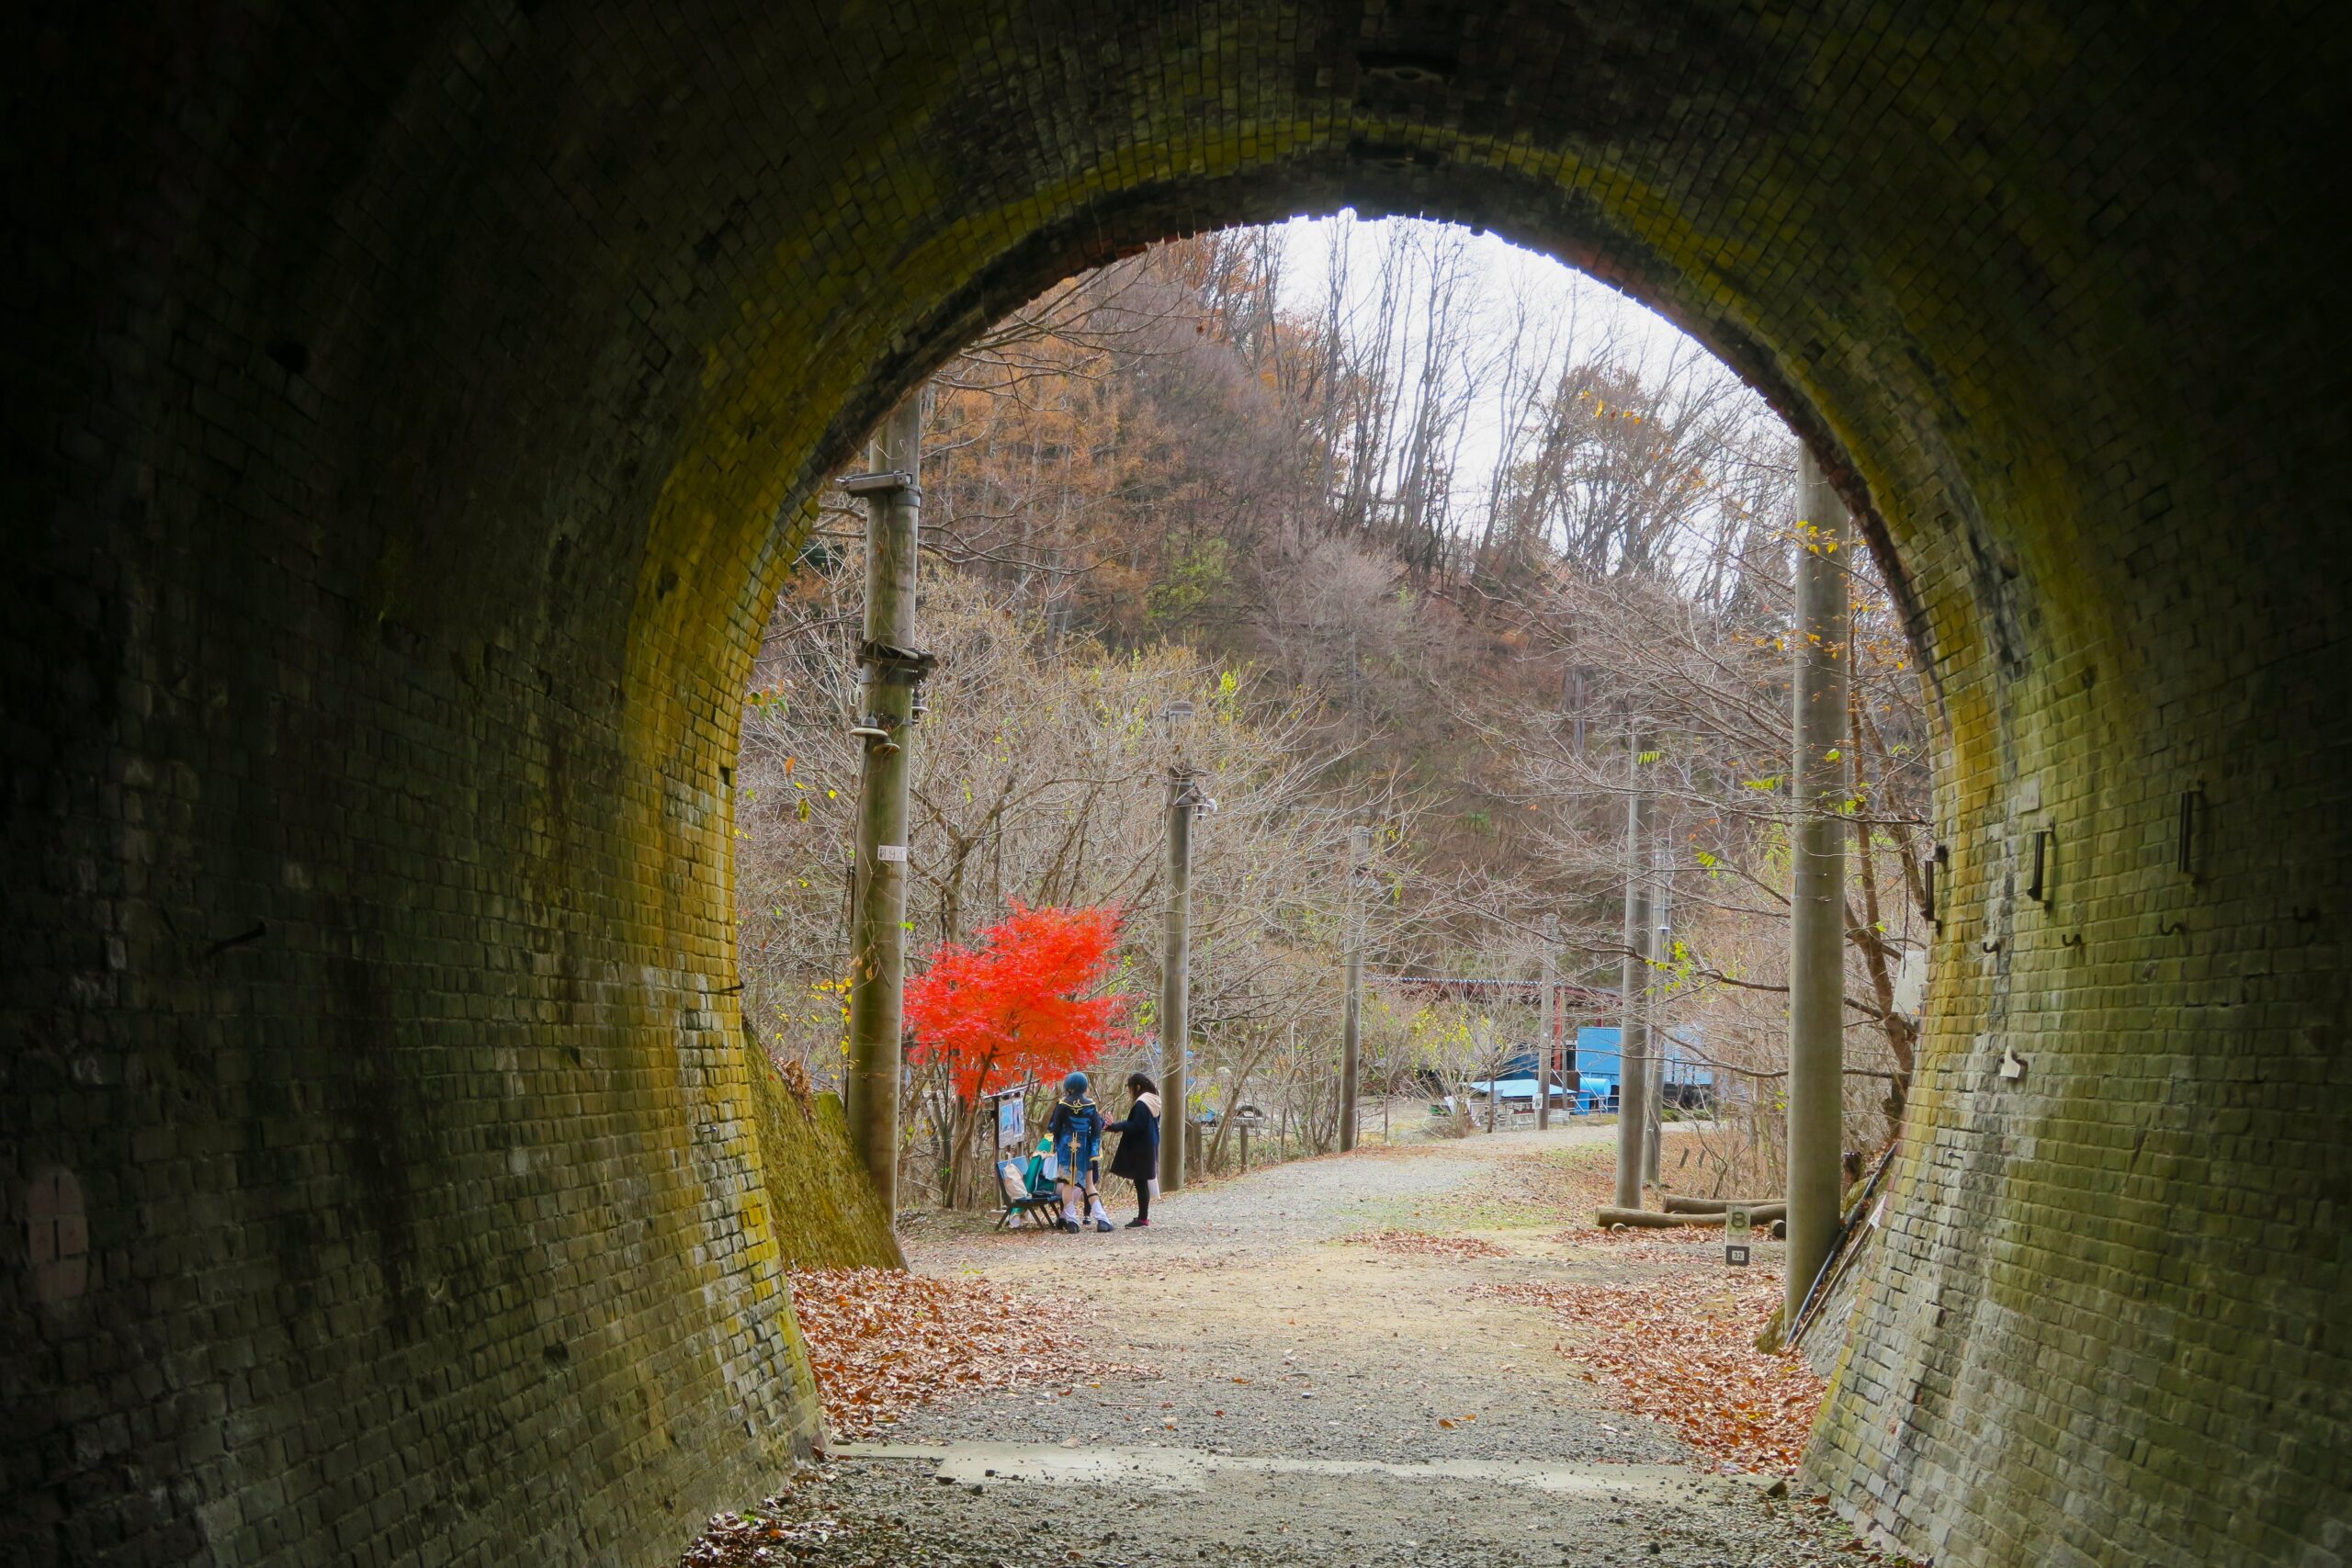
(1818, 902)
(1351, 1010)
(1661, 952)
(1548, 1025)
(1289, 1057)
(1633, 1041)
(892, 668)
(1176, 960)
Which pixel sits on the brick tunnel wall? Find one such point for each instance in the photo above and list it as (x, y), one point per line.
(407, 417)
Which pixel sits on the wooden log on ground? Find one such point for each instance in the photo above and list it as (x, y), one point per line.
(1760, 1213)
(1650, 1219)
(1677, 1204)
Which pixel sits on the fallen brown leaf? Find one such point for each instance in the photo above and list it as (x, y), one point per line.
(882, 1342)
(1681, 1349)
(1423, 1243)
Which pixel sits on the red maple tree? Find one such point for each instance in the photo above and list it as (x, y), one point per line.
(1019, 1001)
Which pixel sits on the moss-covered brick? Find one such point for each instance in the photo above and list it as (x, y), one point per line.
(410, 410)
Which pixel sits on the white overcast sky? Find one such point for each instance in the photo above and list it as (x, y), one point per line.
(1500, 271)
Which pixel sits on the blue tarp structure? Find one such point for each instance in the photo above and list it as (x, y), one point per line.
(1688, 1080)
(1598, 1054)
(1518, 1065)
(1522, 1089)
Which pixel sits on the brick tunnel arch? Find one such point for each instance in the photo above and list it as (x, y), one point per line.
(401, 411)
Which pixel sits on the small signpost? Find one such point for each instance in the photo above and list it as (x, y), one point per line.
(1735, 1231)
(1247, 1117)
(1011, 1116)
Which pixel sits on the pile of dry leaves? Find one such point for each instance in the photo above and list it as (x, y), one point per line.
(1682, 1349)
(1422, 1244)
(883, 1342)
(1641, 1241)
(806, 1526)
(758, 1537)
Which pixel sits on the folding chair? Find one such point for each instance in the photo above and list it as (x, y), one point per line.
(1023, 1195)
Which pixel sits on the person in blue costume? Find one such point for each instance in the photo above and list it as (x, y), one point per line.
(1076, 1127)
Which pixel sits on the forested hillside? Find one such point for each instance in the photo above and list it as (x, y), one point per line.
(1428, 546)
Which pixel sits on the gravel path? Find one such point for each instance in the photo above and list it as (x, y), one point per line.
(1440, 1426)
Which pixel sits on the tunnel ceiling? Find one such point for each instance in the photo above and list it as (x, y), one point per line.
(403, 404)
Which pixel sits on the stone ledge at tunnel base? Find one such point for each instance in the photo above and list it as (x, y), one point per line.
(1161, 1469)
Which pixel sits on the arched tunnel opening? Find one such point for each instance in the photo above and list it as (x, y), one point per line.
(393, 397)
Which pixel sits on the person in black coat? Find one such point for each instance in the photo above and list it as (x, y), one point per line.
(1138, 1155)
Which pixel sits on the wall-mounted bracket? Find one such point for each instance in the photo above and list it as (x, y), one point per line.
(889, 481)
(887, 665)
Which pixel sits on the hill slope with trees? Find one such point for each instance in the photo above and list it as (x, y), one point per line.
(1423, 544)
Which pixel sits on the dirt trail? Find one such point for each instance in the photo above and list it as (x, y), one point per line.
(1316, 1395)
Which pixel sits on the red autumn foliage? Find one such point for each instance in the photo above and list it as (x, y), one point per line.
(1018, 1003)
